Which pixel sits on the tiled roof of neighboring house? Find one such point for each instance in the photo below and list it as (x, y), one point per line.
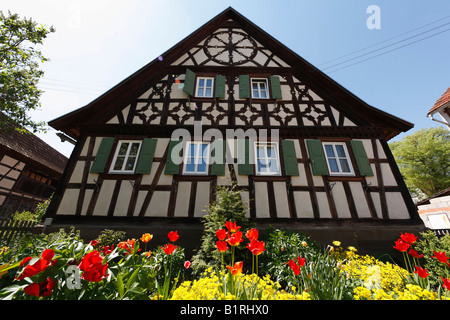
(29, 146)
(445, 98)
(442, 193)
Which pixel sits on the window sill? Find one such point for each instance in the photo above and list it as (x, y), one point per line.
(344, 178)
(120, 176)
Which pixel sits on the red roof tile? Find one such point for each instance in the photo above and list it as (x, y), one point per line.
(445, 98)
(30, 148)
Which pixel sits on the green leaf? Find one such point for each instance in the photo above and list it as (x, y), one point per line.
(119, 285)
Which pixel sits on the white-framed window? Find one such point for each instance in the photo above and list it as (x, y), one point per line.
(338, 158)
(267, 158)
(260, 88)
(125, 157)
(196, 157)
(205, 87)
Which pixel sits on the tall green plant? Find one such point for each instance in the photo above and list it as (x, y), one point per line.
(227, 207)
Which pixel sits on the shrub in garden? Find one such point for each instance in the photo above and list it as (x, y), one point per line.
(227, 207)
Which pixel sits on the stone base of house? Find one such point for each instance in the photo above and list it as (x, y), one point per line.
(372, 237)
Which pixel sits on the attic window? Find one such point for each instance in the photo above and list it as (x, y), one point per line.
(260, 89)
(205, 86)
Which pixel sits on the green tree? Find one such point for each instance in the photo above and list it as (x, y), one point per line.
(423, 159)
(227, 207)
(19, 70)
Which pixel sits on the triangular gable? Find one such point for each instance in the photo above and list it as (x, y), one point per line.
(270, 54)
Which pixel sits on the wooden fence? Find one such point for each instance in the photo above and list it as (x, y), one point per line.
(440, 232)
(10, 228)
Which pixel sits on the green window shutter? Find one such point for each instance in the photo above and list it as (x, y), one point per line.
(189, 82)
(317, 158)
(218, 162)
(276, 87)
(172, 165)
(289, 158)
(244, 86)
(245, 156)
(220, 87)
(102, 155)
(361, 158)
(145, 160)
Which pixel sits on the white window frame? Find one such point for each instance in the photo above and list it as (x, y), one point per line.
(127, 155)
(197, 157)
(258, 81)
(337, 158)
(266, 158)
(204, 87)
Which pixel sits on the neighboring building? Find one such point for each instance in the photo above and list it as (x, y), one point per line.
(435, 210)
(442, 108)
(29, 171)
(324, 167)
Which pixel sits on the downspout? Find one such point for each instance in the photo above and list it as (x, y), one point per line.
(444, 123)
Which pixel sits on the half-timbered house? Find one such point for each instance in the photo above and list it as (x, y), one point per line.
(29, 170)
(305, 153)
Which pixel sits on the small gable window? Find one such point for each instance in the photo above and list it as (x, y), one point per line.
(197, 157)
(125, 157)
(205, 87)
(259, 89)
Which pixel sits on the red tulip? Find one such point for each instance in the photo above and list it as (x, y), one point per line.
(107, 250)
(232, 227)
(235, 239)
(236, 269)
(446, 283)
(256, 247)
(93, 268)
(221, 234)
(401, 246)
(222, 246)
(295, 268)
(408, 238)
(415, 254)
(421, 272)
(301, 261)
(187, 264)
(173, 236)
(440, 256)
(128, 246)
(42, 289)
(37, 267)
(252, 234)
(169, 248)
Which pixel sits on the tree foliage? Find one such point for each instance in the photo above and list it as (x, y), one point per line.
(423, 159)
(20, 70)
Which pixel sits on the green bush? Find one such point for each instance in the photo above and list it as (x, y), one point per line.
(428, 244)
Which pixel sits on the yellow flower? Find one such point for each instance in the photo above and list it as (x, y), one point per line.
(337, 243)
(304, 244)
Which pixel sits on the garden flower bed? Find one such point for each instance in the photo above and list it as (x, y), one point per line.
(246, 266)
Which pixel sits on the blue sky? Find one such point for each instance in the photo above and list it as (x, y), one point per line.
(98, 43)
